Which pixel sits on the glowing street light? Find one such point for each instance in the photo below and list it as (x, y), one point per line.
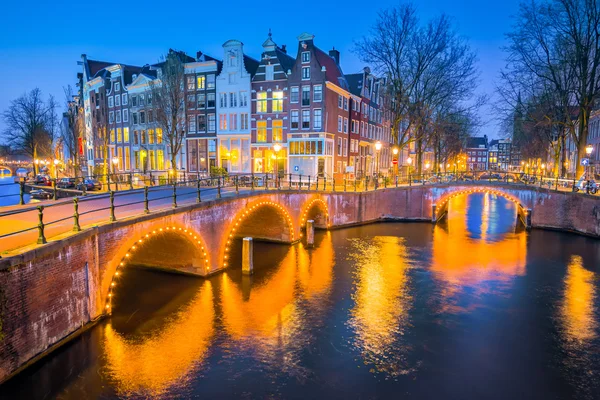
(115, 161)
(276, 148)
(588, 150)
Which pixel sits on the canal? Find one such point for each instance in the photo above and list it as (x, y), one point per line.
(473, 308)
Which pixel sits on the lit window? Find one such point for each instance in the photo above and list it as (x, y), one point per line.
(277, 130)
(201, 82)
(261, 131)
(261, 103)
(277, 102)
(223, 122)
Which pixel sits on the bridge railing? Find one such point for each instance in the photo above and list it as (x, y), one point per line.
(30, 224)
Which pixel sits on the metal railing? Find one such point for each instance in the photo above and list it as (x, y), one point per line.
(145, 199)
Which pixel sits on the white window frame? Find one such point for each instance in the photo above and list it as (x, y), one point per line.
(307, 54)
(305, 76)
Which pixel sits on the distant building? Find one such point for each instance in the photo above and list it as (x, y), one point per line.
(477, 153)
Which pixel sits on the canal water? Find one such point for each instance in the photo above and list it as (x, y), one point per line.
(472, 308)
(9, 191)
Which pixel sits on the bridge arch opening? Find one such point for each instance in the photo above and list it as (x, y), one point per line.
(441, 206)
(263, 221)
(170, 248)
(316, 210)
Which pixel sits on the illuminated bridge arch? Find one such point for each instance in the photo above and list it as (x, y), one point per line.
(167, 247)
(316, 210)
(7, 168)
(441, 205)
(263, 220)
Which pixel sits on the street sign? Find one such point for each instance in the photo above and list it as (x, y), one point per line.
(585, 162)
(394, 161)
(296, 168)
(350, 169)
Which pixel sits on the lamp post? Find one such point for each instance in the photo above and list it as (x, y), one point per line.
(395, 160)
(276, 149)
(56, 162)
(115, 161)
(36, 167)
(377, 150)
(409, 161)
(588, 150)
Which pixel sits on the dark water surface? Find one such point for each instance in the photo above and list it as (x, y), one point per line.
(469, 309)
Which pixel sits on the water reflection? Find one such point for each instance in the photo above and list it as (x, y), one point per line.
(150, 364)
(382, 302)
(577, 309)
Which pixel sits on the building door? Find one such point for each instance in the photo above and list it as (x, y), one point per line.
(321, 167)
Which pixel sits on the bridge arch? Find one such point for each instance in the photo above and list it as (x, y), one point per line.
(7, 168)
(181, 236)
(317, 210)
(264, 220)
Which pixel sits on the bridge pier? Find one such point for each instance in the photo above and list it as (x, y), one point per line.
(310, 233)
(247, 254)
(433, 213)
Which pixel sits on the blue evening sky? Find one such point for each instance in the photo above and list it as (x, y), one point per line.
(41, 41)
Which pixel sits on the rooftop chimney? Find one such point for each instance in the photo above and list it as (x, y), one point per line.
(284, 48)
(335, 54)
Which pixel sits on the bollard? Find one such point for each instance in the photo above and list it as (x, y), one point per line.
(433, 213)
(333, 184)
(309, 181)
(300, 183)
(344, 184)
(174, 195)
(218, 187)
(237, 188)
(41, 237)
(112, 206)
(290, 183)
(21, 191)
(146, 209)
(130, 181)
(310, 233)
(55, 190)
(266, 181)
(385, 182)
(317, 184)
(76, 227)
(247, 250)
(366, 183)
(355, 180)
(252, 183)
(409, 180)
(396, 180)
(324, 183)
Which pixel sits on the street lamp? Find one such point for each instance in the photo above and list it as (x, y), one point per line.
(37, 166)
(378, 149)
(395, 160)
(588, 150)
(276, 148)
(56, 162)
(115, 161)
(409, 161)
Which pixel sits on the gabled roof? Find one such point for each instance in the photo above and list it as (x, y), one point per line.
(285, 60)
(251, 64)
(476, 142)
(333, 72)
(355, 83)
(95, 66)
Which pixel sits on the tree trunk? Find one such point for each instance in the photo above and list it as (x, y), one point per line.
(419, 154)
(582, 140)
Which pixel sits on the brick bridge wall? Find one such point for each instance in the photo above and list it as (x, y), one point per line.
(51, 291)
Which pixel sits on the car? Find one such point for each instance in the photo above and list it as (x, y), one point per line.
(66, 183)
(582, 185)
(89, 184)
(40, 194)
(42, 180)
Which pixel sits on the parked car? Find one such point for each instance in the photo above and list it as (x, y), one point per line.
(582, 185)
(42, 180)
(40, 194)
(490, 177)
(66, 183)
(89, 184)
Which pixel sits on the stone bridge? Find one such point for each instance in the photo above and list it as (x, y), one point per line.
(50, 292)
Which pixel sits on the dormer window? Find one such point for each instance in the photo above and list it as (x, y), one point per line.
(305, 56)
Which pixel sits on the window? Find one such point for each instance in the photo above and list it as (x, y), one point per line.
(277, 125)
(340, 101)
(135, 118)
(212, 121)
(305, 56)
(149, 97)
(223, 122)
(191, 84)
(124, 96)
(118, 116)
(339, 146)
(277, 102)
(295, 94)
(305, 95)
(295, 118)
(261, 102)
(125, 115)
(142, 117)
(232, 122)
(159, 137)
(191, 123)
(119, 135)
(210, 100)
(345, 147)
(141, 100)
(261, 131)
(232, 99)
(317, 119)
(269, 72)
(127, 159)
(150, 116)
(201, 82)
(201, 123)
(210, 81)
(201, 101)
(222, 100)
(362, 128)
(244, 121)
(112, 135)
(305, 73)
(345, 125)
(317, 93)
(117, 86)
(345, 104)
(305, 119)
(243, 99)
(340, 124)
(134, 101)
(126, 135)
(111, 117)
(232, 78)
(111, 102)
(143, 136)
(117, 100)
(191, 101)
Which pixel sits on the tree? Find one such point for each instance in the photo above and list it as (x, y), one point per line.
(428, 66)
(168, 99)
(72, 130)
(31, 124)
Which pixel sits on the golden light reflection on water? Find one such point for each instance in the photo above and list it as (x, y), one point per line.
(577, 309)
(382, 301)
(460, 260)
(148, 366)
